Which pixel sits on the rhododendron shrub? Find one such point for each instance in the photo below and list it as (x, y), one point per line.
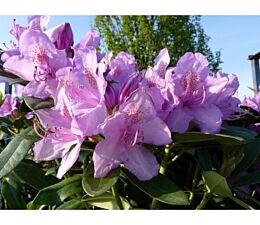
(88, 129)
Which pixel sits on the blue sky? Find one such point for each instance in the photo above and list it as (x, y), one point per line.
(237, 36)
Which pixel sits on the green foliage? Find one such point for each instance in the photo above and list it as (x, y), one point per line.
(161, 188)
(33, 175)
(145, 36)
(97, 186)
(12, 194)
(16, 150)
(37, 103)
(216, 184)
(57, 193)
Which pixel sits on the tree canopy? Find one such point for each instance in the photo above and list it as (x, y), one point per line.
(145, 36)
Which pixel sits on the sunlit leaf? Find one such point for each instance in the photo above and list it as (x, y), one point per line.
(16, 150)
(216, 184)
(161, 188)
(97, 186)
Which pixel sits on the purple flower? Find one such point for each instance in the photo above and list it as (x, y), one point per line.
(58, 141)
(222, 88)
(91, 38)
(38, 22)
(61, 36)
(161, 62)
(79, 109)
(253, 103)
(135, 123)
(8, 106)
(122, 79)
(17, 30)
(85, 94)
(189, 86)
(38, 61)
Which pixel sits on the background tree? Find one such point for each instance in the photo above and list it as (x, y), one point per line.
(145, 36)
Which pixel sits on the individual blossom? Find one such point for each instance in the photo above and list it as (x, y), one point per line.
(38, 61)
(154, 80)
(58, 141)
(90, 39)
(253, 103)
(122, 79)
(125, 131)
(189, 86)
(162, 62)
(34, 22)
(222, 88)
(9, 105)
(78, 111)
(38, 22)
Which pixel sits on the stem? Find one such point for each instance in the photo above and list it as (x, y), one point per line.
(194, 182)
(117, 197)
(206, 197)
(164, 164)
(163, 169)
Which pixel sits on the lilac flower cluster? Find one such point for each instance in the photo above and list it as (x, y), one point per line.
(98, 93)
(253, 103)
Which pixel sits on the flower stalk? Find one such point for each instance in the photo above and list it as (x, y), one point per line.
(117, 197)
(206, 197)
(163, 170)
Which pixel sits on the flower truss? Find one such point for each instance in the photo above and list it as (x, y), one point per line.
(103, 99)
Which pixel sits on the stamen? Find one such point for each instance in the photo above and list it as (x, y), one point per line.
(35, 129)
(135, 138)
(5, 45)
(204, 95)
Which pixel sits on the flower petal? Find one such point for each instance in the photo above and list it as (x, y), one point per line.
(68, 160)
(208, 118)
(21, 67)
(162, 61)
(53, 146)
(91, 38)
(156, 132)
(179, 119)
(51, 118)
(141, 163)
(108, 155)
(87, 123)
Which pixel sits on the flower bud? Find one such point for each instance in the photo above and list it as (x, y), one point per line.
(61, 36)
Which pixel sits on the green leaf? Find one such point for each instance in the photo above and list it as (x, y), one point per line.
(16, 150)
(250, 179)
(216, 184)
(18, 81)
(12, 194)
(241, 203)
(161, 188)
(38, 103)
(241, 132)
(197, 138)
(97, 186)
(204, 159)
(8, 75)
(250, 155)
(30, 173)
(57, 193)
(72, 204)
(106, 201)
(5, 120)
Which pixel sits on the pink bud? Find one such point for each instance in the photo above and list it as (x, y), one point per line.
(61, 36)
